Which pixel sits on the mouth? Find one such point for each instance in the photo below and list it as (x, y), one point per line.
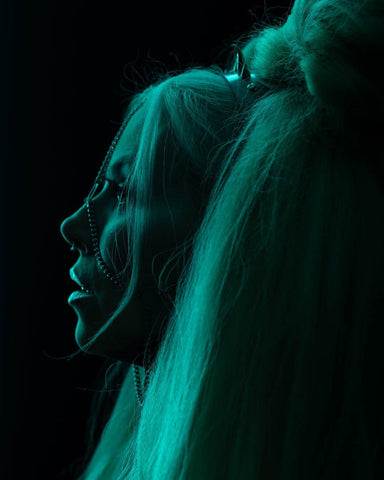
(85, 290)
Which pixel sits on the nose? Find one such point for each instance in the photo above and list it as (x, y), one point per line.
(75, 230)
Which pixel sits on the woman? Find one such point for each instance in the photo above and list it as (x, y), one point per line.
(258, 195)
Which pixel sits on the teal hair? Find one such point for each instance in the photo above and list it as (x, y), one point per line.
(269, 365)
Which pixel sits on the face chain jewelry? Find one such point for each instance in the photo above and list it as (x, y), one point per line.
(96, 251)
(95, 247)
(90, 207)
(138, 388)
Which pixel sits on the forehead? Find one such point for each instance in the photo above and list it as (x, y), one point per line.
(123, 155)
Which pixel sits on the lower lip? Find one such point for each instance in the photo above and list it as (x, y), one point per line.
(79, 295)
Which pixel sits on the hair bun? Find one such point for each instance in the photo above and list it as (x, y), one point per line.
(336, 77)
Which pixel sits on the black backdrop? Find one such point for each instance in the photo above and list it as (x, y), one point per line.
(62, 65)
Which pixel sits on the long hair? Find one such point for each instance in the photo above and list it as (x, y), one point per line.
(269, 365)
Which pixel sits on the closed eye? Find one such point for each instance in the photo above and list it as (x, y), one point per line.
(122, 191)
(115, 185)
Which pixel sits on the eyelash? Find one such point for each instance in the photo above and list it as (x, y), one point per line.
(117, 187)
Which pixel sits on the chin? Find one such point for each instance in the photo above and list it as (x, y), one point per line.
(83, 335)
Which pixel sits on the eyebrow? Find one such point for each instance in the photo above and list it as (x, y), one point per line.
(115, 169)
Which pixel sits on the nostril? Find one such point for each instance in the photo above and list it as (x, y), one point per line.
(80, 247)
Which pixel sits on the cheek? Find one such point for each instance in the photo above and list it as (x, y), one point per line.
(113, 244)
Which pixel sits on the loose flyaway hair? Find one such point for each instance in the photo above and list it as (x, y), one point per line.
(269, 364)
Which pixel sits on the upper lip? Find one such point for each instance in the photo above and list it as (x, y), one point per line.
(77, 278)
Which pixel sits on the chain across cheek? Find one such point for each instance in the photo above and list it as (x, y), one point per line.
(100, 183)
(96, 248)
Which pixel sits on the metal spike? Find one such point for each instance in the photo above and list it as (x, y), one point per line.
(240, 67)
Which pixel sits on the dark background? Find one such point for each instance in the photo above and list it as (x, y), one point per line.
(62, 64)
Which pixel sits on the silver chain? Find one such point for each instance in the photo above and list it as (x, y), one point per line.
(95, 244)
(138, 388)
(96, 251)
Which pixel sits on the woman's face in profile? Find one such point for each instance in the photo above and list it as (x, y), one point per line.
(170, 221)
